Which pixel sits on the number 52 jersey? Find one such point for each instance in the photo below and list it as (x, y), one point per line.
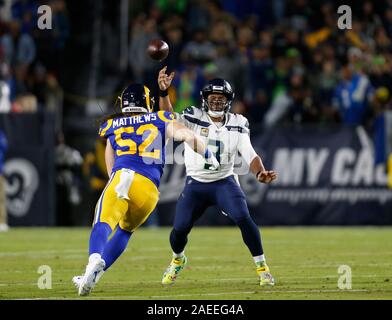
(138, 142)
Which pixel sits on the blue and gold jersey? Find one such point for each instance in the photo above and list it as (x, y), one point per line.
(139, 142)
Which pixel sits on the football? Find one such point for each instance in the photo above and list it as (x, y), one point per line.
(158, 49)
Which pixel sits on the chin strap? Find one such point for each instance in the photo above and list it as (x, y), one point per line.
(215, 114)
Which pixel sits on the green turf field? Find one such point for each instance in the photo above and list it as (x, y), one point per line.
(304, 262)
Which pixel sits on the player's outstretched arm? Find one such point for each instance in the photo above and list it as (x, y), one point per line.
(109, 157)
(262, 175)
(179, 132)
(164, 82)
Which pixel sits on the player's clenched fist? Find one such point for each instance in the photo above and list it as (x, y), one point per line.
(164, 80)
(266, 176)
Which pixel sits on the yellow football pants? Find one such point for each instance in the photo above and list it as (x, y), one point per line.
(127, 200)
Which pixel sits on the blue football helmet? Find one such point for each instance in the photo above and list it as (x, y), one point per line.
(217, 86)
(136, 98)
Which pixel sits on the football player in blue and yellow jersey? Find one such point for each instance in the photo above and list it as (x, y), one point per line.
(135, 157)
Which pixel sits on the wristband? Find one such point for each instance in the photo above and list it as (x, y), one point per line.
(257, 174)
(163, 93)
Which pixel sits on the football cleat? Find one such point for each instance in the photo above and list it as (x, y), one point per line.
(266, 278)
(171, 273)
(94, 272)
(76, 280)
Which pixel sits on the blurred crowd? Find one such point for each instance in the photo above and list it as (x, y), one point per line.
(31, 61)
(30, 58)
(287, 59)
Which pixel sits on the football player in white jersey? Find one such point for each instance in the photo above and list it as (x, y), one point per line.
(226, 134)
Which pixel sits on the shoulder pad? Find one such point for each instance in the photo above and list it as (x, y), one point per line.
(241, 121)
(238, 123)
(191, 110)
(188, 110)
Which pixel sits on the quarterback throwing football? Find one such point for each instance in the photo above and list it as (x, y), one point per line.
(227, 133)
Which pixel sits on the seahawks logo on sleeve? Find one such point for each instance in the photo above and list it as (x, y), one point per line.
(189, 110)
(186, 111)
(189, 116)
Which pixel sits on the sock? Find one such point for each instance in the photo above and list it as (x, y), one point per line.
(259, 260)
(178, 240)
(98, 238)
(251, 236)
(178, 255)
(93, 257)
(115, 247)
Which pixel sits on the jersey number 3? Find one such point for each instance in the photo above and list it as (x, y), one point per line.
(216, 148)
(131, 145)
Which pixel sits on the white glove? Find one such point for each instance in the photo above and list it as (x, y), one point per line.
(212, 162)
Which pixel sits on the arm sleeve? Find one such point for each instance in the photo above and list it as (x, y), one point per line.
(246, 149)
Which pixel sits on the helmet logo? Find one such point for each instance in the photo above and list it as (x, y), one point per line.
(218, 88)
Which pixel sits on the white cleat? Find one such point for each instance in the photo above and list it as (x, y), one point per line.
(76, 280)
(94, 271)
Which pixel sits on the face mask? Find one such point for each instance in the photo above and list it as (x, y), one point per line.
(219, 107)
